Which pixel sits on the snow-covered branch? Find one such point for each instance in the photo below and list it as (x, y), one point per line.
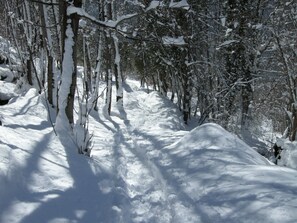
(181, 4)
(44, 3)
(177, 41)
(108, 24)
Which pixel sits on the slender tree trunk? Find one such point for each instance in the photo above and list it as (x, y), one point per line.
(108, 71)
(108, 60)
(186, 83)
(97, 75)
(294, 125)
(117, 70)
(87, 66)
(47, 45)
(29, 71)
(108, 91)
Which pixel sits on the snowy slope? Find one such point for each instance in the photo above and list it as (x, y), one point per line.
(145, 167)
(226, 181)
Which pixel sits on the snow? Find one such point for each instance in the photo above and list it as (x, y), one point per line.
(66, 79)
(155, 4)
(227, 43)
(289, 153)
(7, 89)
(6, 74)
(180, 4)
(179, 41)
(146, 166)
(110, 23)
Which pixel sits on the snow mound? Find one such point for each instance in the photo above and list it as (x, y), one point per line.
(226, 180)
(6, 74)
(211, 140)
(288, 154)
(6, 90)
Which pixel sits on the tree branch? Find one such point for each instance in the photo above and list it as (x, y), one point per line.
(44, 3)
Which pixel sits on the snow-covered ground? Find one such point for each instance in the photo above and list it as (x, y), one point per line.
(6, 87)
(145, 167)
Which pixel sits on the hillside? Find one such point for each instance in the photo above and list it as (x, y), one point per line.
(145, 166)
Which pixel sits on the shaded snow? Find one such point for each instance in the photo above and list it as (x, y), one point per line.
(6, 90)
(6, 74)
(288, 153)
(145, 167)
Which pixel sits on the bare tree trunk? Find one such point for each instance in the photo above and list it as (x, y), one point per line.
(47, 45)
(108, 91)
(117, 70)
(96, 77)
(109, 48)
(29, 71)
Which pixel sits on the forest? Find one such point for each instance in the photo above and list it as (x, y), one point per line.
(229, 62)
(182, 111)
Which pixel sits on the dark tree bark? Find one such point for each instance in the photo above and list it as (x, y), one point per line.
(238, 60)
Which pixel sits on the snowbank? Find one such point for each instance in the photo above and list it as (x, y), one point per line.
(227, 181)
(6, 90)
(288, 156)
(211, 139)
(6, 74)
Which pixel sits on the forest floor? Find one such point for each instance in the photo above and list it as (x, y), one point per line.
(145, 167)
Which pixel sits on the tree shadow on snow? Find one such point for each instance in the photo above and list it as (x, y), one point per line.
(43, 125)
(159, 173)
(83, 202)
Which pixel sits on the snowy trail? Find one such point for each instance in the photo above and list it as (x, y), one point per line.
(146, 167)
(146, 189)
(149, 195)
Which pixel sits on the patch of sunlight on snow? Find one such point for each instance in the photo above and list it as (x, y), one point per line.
(106, 186)
(49, 197)
(18, 210)
(185, 214)
(80, 213)
(61, 220)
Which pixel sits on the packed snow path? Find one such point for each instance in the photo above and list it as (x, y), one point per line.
(138, 140)
(146, 167)
(138, 137)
